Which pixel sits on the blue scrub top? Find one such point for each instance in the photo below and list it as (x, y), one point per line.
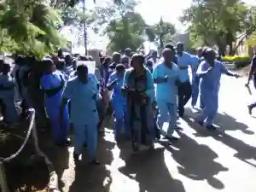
(184, 62)
(117, 89)
(7, 81)
(51, 81)
(166, 92)
(211, 80)
(83, 100)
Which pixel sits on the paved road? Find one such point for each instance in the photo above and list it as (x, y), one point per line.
(199, 162)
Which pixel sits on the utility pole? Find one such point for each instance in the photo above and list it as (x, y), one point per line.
(85, 30)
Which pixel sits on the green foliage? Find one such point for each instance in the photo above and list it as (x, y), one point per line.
(126, 32)
(236, 58)
(238, 61)
(30, 27)
(216, 22)
(160, 32)
(125, 28)
(251, 41)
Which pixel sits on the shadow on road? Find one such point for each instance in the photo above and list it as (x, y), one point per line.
(94, 178)
(244, 152)
(58, 155)
(151, 172)
(196, 161)
(229, 123)
(225, 121)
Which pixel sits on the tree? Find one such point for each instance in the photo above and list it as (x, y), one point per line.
(160, 32)
(126, 32)
(216, 22)
(30, 27)
(124, 27)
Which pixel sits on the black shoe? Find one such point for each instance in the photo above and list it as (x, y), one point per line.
(250, 110)
(211, 127)
(94, 162)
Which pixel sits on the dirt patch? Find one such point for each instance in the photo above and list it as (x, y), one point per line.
(27, 172)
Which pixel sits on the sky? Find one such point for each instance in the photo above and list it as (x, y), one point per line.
(152, 11)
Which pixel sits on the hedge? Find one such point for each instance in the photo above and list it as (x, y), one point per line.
(238, 61)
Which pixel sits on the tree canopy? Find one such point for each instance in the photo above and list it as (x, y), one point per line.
(29, 27)
(216, 22)
(160, 32)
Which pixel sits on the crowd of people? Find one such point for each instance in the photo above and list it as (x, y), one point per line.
(147, 93)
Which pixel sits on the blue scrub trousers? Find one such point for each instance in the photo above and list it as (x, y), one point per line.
(86, 133)
(59, 124)
(167, 113)
(210, 100)
(195, 89)
(120, 115)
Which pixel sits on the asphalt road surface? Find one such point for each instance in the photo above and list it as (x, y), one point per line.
(201, 161)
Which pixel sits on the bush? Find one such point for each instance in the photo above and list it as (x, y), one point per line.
(238, 61)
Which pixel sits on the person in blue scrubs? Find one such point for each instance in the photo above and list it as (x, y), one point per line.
(184, 61)
(252, 75)
(118, 101)
(53, 83)
(195, 80)
(7, 85)
(139, 90)
(210, 71)
(83, 91)
(166, 78)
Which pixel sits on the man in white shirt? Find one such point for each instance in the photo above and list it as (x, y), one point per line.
(184, 61)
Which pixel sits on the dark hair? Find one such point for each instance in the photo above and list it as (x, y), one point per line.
(170, 46)
(82, 68)
(47, 63)
(139, 57)
(83, 58)
(107, 60)
(61, 64)
(120, 67)
(6, 67)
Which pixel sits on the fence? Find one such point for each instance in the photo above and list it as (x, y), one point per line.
(53, 182)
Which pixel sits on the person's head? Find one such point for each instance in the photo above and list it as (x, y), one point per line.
(116, 57)
(68, 60)
(120, 69)
(168, 55)
(6, 68)
(199, 51)
(107, 61)
(19, 60)
(55, 60)
(154, 54)
(180, 48)
(90, 58)
(49, 65)
(128, 52)
(149, 65)
(83, 58)
(60, 53)
(137, 61)
(61, 64)
(82, 73)
(170, 46)
(210, 55)
(125, 61)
